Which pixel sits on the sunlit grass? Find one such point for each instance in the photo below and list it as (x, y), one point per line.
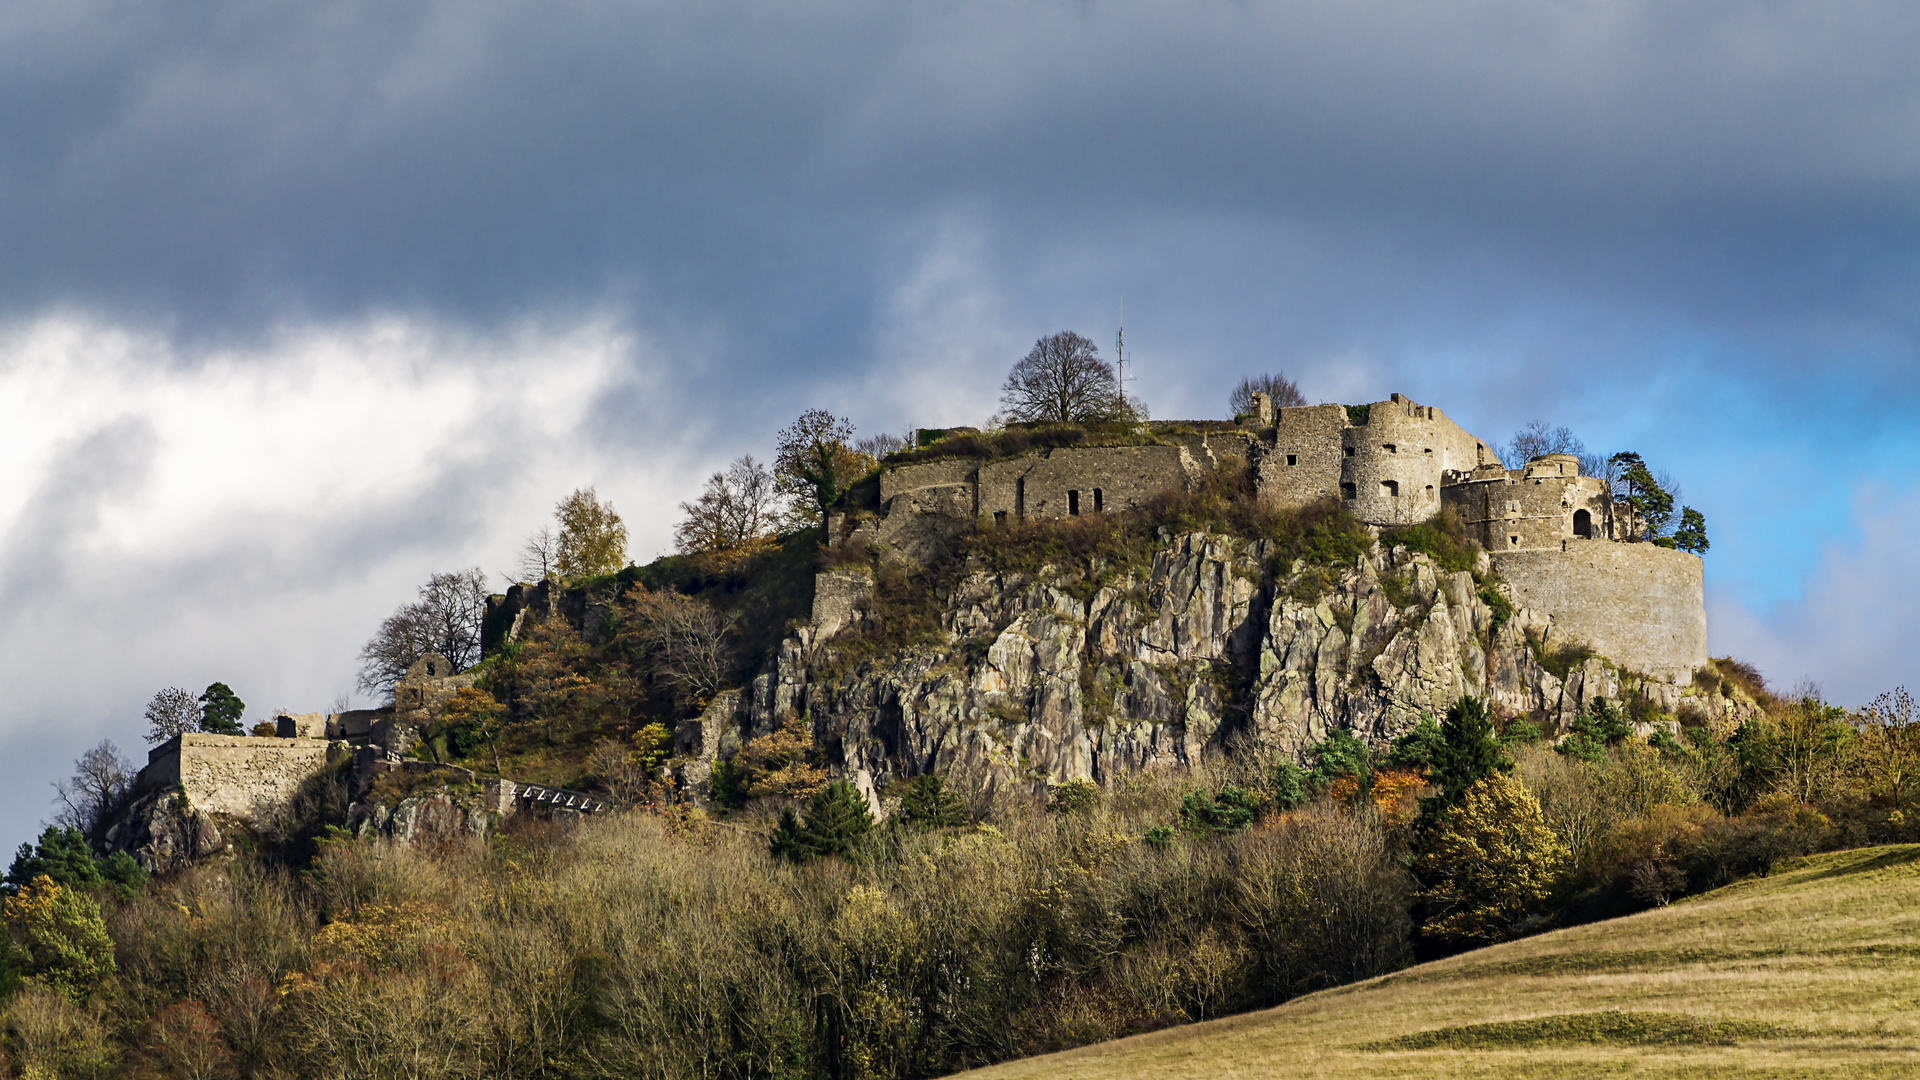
(1814, 971)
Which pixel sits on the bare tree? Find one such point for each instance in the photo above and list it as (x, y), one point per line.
(540, 555)
(1062, 380)
(445, 619)
(1282, 391)
(1537, 438)
(172, 712)
(685, 639)
(879, 446)
(736, 506)
(101, 779)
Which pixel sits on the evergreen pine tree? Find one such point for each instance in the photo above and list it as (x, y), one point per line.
(1467, 753)
(928, 804)
(221, 710)
(836, 821)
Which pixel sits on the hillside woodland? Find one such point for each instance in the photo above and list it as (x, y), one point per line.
(747, 913)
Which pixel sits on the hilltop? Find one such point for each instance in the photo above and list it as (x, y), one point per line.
(1811, 971)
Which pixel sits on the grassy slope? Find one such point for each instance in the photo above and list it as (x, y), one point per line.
(1825, 953)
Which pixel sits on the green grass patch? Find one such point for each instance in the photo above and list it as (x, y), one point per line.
(1610, 1028)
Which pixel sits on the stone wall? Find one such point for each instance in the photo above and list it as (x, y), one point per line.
(311, 725)
(233, 774)
(1639, 605)
(1395, 463)
(1305, 460)
(1535, 508)
(1072, 480)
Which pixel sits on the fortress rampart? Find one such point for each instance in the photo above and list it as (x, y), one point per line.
(1640, 605)
(233, 774)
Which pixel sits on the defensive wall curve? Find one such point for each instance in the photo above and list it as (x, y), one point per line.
(1641, 606)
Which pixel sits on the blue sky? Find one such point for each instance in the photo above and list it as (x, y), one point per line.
(300, 303)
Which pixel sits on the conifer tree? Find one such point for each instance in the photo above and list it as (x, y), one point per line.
(1466, 753)
(221, 710)
(836, 821)
(928, 804)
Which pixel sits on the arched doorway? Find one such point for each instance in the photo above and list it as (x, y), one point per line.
(1582, 524)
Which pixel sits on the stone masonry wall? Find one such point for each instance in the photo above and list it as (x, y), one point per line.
(1043, 485)
(233, 774)
(1639, 605)
(1395, 463)
(1305, 461)
(1529, 509)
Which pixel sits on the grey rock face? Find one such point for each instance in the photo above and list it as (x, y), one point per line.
(1087, 672)
(163, 832)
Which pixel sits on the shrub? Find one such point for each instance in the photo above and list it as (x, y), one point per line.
(1073, 797)
(1229, 809)
(1441, 538)
(1341, 754)
(1491, 863)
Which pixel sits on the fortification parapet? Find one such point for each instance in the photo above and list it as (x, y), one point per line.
(1395, 462)
(1538, 507)
(1641, 606)
(233, 774)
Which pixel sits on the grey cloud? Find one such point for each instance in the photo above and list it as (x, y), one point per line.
(39, 556)
(745, 163)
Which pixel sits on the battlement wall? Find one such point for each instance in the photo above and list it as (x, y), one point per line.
(1640, 605)
(1306, 458)
(1539, 507)
(1394, 464)
(233, 774)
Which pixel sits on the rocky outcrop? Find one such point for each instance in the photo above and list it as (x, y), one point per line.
(1092, 671)
(163, 831)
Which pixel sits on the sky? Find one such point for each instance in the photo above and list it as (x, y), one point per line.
(303, 302)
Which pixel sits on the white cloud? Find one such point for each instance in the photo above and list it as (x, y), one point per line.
(172, 516)
(1854, 628)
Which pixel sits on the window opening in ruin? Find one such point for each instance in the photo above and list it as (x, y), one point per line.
(1348, 491)
(1392, 488)
(1428, 450)
(999, 519)
(1349, 451)
(1582, 523)
(1073, 503)
(1390, 448)
(1293, 459)
(1099, 500)
(1513, 541)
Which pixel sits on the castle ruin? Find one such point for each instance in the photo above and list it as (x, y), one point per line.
(1554, 536)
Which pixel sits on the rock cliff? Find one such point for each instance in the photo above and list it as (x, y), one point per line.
(1088, 671)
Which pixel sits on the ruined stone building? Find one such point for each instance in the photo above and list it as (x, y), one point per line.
(1551, 532)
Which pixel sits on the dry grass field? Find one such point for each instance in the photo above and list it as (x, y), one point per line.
(1814, 971)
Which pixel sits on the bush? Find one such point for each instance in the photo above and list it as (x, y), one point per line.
(1073, 797)
(1229, 809)
(1441, 538)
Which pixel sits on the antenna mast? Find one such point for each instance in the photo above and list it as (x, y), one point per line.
(1120, 353)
